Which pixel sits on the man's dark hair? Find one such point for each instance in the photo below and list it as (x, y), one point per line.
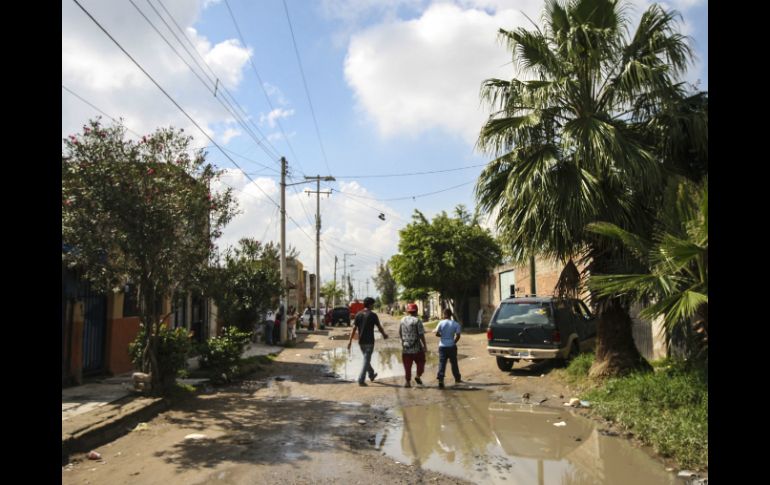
(368, 302)
(447, 313)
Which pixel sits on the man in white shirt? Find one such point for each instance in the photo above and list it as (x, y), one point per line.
(449, 332)
(480, 317)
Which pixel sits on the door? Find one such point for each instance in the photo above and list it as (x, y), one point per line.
(94, 328)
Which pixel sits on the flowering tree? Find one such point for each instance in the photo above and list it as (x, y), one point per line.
(140, 211)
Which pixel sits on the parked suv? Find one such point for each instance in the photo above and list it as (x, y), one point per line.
(540, 328)
(338, 315)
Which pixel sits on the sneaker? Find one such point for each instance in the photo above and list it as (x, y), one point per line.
(440, 384)
(373, 377)
(408, 384)
(458, 381)
(418, 380)
(363, 384)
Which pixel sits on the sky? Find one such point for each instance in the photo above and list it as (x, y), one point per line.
(372, 92)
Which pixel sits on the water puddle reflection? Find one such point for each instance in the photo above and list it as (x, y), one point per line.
(485, 441)
(386, 361)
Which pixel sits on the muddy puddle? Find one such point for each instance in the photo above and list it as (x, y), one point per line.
(386, 360)
(485, 441)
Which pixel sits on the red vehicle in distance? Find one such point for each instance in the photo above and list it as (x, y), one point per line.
(355, 307)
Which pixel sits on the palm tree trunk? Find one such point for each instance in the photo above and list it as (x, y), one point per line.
(616, 353)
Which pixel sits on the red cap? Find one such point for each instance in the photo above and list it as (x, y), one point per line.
(411, 307)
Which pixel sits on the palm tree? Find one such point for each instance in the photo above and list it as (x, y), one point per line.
(677, 281)
(575, 141)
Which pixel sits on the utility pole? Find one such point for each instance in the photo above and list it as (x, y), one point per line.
(345, 279)
(334, 297)
(283, 297)
(532, 286)
(318, 193)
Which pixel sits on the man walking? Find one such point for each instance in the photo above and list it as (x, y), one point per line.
(413, 344)
(449, 332)
(480, 317)
(365, 322)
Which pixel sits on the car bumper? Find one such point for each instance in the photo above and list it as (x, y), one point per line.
(525, 353)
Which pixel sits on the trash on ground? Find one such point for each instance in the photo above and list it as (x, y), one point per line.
(361, 421)
(686, 474)
(195, 436)
(141, 427)
(560, 424)
(94, 455)
(585, 404)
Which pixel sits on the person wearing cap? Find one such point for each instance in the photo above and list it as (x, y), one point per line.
(449, 332)
(413, 344)
(365, 322)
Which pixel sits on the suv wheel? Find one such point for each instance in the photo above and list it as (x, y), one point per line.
(504, 364)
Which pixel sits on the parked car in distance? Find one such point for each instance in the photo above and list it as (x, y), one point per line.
(337, 316)
(540, 328)
(305, 319)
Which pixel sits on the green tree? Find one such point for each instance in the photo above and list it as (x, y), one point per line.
(676, 284)
(140, 211)
(581, 136)
(385, 284)
(451, 255)
(414, 294)
(247, 283)
(332, 292)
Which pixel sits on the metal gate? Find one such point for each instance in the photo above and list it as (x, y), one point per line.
(94, 327)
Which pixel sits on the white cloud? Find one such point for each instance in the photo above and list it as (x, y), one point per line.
(275, 136)
(94, 67)
(275, 93)
(275, 115)
(411, 76)
(229, 134)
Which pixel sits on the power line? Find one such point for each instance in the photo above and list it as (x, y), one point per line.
(81, 98)
(96, 108)
(262, 86)
(168, 95)
(381, 211)
(304, 83)
(409, 173)
(407, 197)
(195, 50)
(229, 107)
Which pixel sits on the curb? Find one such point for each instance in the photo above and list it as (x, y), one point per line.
(93, 435)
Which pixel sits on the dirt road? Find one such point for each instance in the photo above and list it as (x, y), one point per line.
(296, 421)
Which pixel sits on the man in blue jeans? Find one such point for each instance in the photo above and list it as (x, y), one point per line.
(365, 322)
(449, 332)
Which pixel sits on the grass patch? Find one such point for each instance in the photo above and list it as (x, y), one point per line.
(667, 408)
(577, 371)
(431, 324)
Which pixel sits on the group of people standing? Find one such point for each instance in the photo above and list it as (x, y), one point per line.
(412, 334)
(272, 326)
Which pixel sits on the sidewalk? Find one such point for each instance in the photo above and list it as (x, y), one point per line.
(103, 410)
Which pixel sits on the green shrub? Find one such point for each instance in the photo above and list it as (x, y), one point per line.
(172, 349)
(222, 354)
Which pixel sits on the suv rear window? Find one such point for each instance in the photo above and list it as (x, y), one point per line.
(526, 313)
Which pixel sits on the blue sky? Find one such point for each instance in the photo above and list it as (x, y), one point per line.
(393, 83)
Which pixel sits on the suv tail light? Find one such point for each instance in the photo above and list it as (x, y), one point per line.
(556, 337)
(489, 334)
